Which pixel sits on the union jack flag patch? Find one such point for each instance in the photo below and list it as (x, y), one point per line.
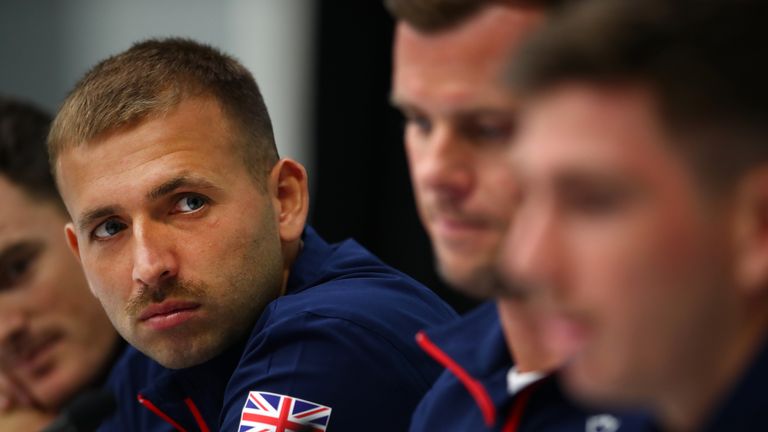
(270, 412)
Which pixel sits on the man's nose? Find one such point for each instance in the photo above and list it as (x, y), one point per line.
(531, 256)
(446, 164)
(154, 258)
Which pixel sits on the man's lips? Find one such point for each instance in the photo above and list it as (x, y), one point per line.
(461, 232)
(166, 308)
(458, 224)
(168, 314)
(566, 334)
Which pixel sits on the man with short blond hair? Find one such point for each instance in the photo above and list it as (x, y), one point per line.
(192, 234)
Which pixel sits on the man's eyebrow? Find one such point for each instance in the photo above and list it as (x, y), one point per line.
(171, 185)
(395, 101)
(19, 247)
(403, 106)
(575, 180)
(165, 188)
(87, 218)
(462, 113)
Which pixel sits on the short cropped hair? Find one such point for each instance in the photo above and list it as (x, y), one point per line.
(433, 16)
(700, 60)
(151, 78)
(23, 158)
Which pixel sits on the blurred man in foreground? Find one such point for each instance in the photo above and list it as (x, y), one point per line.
(644, 205)
(55, 340)
(450, 59)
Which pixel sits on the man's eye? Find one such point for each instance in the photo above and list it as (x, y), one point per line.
(598, 202)
(420, 123)
(498, 131)
(108, 229)
(14, 271)
(190, 204)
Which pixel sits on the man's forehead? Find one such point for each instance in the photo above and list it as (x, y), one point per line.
(559, 166)
(452, 95)
(621, 100)
(19, 205)
(170, 121)
(191, 137)
(482, 44)
(591, 133)
(591, 116)
(27, 221)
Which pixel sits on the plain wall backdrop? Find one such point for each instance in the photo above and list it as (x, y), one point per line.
(47, 45)
(322, 65)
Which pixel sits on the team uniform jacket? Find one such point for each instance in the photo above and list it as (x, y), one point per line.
(472, 395)
(335, 352)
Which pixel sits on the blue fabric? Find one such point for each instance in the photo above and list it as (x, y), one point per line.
(477, 344)
(342, 336)
(745, 408)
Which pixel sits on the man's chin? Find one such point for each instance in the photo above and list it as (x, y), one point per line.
(177, 357)
(584, 388)
(598, 389)
(476, 282)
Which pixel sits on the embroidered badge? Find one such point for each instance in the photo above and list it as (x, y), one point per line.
(270, 412)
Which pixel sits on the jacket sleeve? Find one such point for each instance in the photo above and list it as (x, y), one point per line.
(369, 382)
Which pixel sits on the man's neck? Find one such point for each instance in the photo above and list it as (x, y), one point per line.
(690, 401)
(291, 251)
(523, 336)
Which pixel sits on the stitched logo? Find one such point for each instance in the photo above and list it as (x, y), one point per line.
(271, 412)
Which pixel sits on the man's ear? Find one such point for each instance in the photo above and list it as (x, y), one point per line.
(290, 195)
(751, 231)
(74, 246)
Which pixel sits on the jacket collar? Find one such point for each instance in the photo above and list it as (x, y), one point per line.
(474, 350)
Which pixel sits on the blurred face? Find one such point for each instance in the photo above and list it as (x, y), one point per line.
(612, 226)
(460, 119)
(178, 241)
(54, 336)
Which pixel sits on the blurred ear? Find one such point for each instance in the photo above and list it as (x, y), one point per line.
(74, 246)
(290, 195)
(751, 231)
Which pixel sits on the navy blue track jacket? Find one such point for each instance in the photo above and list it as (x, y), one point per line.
(335, 352)
(472, 395)
(745, 407)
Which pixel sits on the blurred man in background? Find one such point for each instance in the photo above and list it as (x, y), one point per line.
(55, 339)
(643, 163)
(450, 59)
